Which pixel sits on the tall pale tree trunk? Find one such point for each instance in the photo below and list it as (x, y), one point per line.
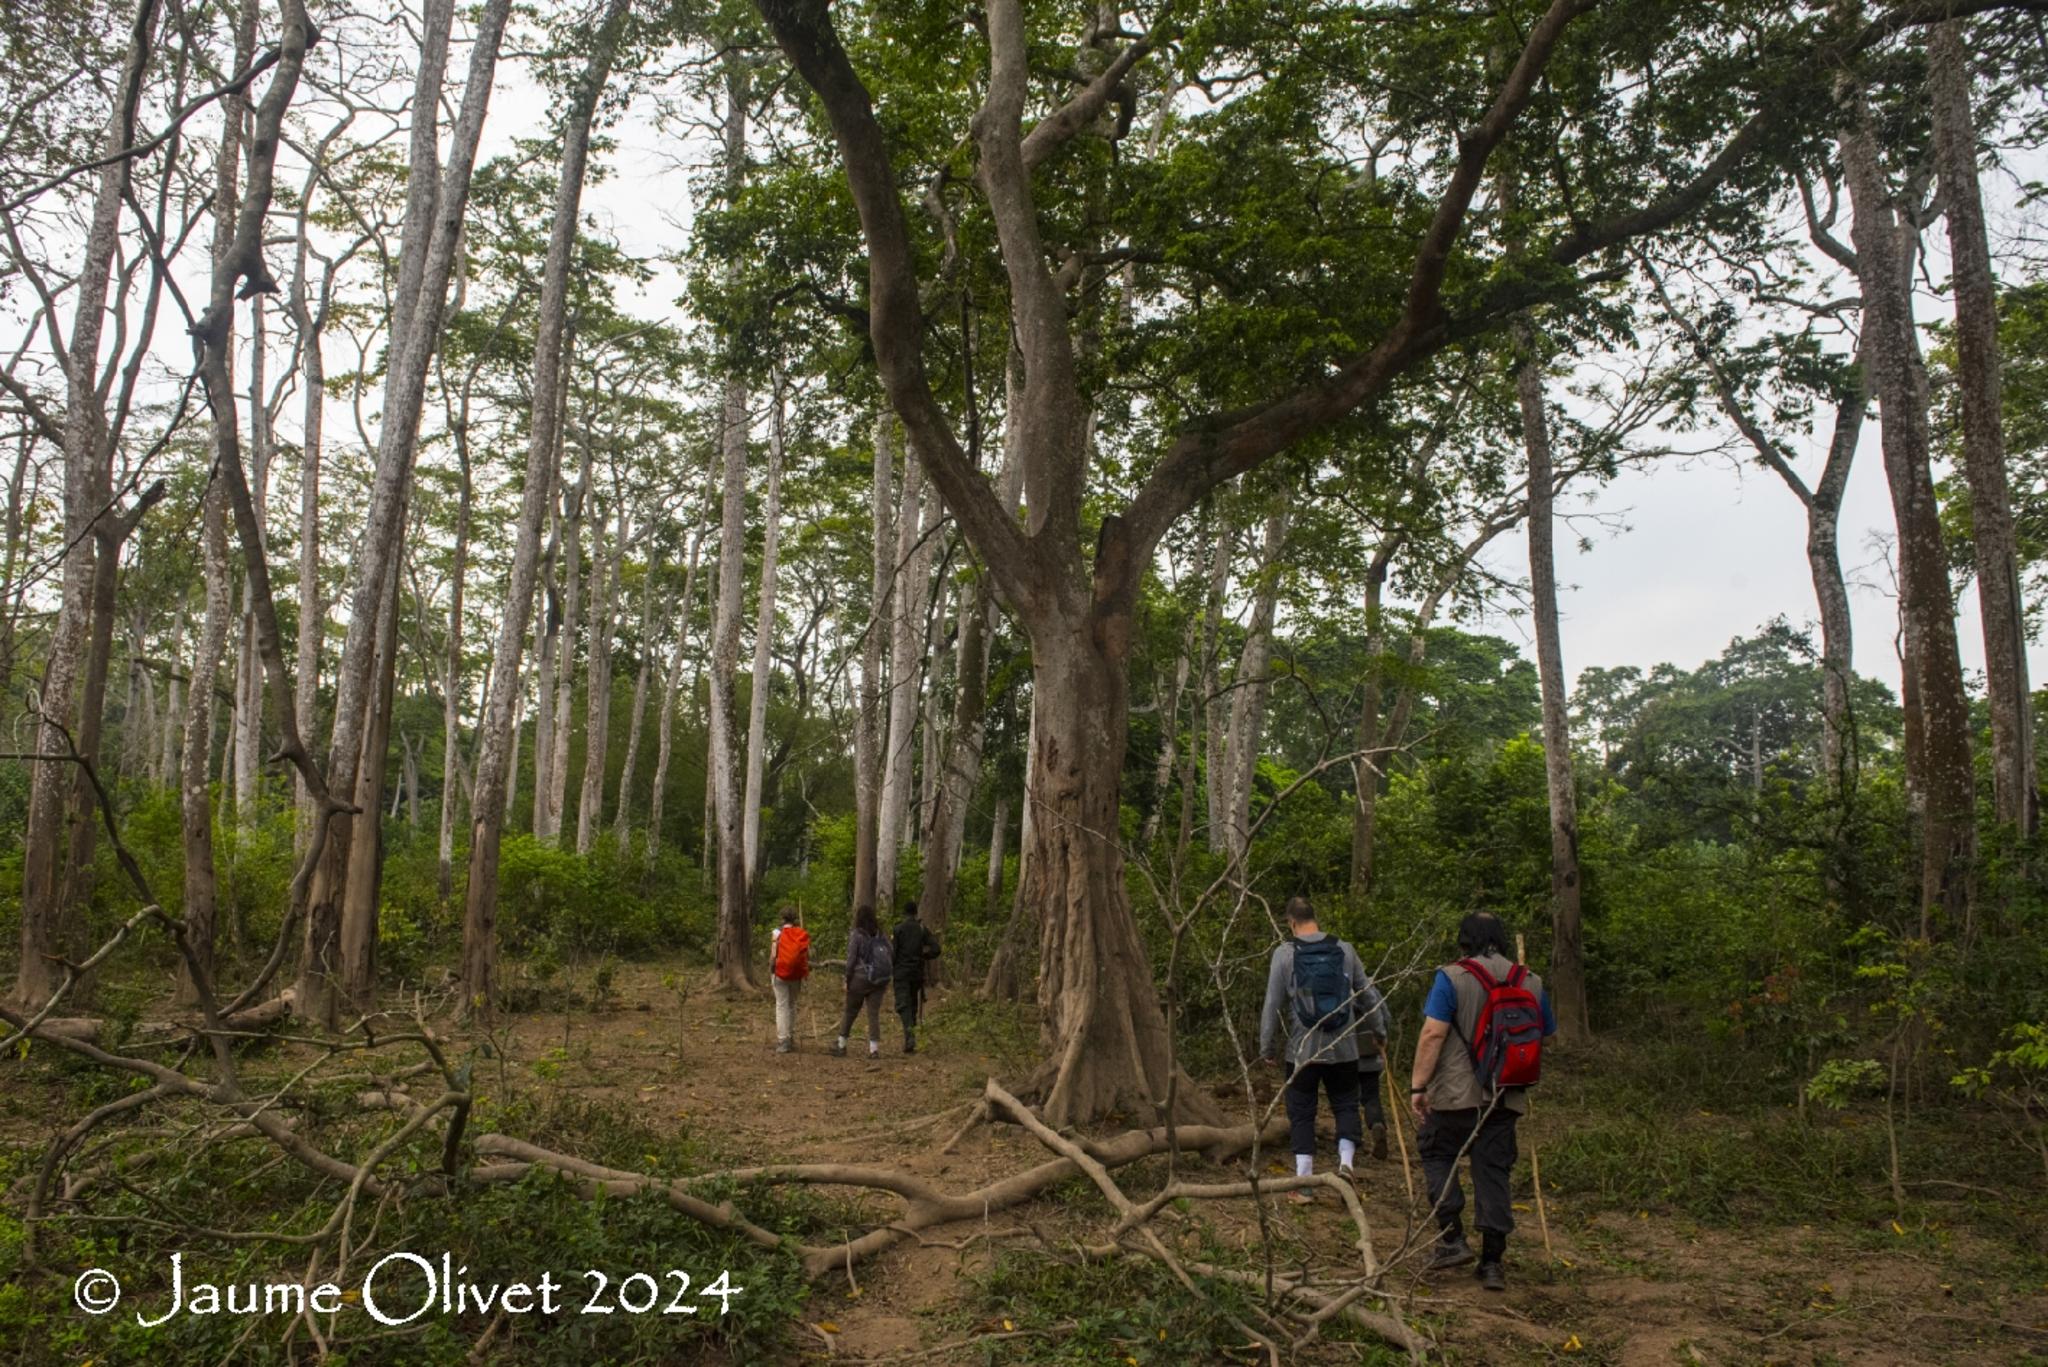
(195, 798)
(2015, 786)
(498, 733)
(312, 324)
(906, 638)
(1940, 780)
(248, 668)
(734, 954)
(547, 631)
(958, 759)
(1215, 706)
(868, 726)
(51, 782)
(574, 505)
(764, 643)
(1248, 696)
(359, 904)
(451, 668)
(597, 682)
(1567, 976)
(622, 814)
(1169, 746)
(664, 728)
(436, 202)
(168, 765)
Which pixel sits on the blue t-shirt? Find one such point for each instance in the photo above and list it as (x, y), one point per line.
(1442, 1003)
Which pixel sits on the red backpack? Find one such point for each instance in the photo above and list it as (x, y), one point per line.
(793, 953)
(1507, 1043)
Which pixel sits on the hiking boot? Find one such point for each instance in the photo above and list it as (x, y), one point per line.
(1301, 1196)
(1450, 1252)
(910, 1046)
(1491, 1277)
(1379, 1143)
(839, 1049)
(785, 1046)
(1350, 1177)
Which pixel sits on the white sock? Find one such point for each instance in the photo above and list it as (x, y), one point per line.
(842, 1041)
(1346, 1151)
(874, 1049)
(1304, 1164)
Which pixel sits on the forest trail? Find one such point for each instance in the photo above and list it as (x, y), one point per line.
(1647, 1288)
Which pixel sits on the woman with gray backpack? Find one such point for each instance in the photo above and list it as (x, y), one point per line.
(869, 967)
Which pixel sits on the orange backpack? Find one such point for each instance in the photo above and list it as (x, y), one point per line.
(793, 953)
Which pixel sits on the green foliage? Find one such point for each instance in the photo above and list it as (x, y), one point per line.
(587, 904)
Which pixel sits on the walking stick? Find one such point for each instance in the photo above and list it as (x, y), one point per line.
(1398, 1113)
(1535, 1163)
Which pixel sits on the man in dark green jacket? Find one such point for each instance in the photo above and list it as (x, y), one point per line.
(914, 946)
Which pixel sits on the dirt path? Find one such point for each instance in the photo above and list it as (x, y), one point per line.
(1646, 1289)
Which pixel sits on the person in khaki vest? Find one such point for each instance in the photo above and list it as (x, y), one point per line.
(1456, 1117)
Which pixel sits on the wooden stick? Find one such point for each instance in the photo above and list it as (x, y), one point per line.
(1536, 1163)
(1399, 1115)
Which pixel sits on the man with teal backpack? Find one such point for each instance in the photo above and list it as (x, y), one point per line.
(1330, 1001)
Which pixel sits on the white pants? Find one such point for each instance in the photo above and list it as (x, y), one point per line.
(785, 1006)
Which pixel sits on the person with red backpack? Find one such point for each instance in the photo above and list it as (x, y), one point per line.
(1468, 1094)
(789, 950)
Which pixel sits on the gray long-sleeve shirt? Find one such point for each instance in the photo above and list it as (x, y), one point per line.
(1319, 1045)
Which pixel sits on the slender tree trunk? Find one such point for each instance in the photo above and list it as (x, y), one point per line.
(574, 505)
(998, 828)
(1248, 696)
(195, 798)
(435, 206)
(169, 769)
(248, 669)
(597, 683)
(359, 904)
(764, 641)
(451, 676)
(2015, 786)
(867, 734)
(50, 783)
(1215, 706)
(498, 738)
(1831, 592)
(111, 532)
(1366, 769)
(1939, 773)
(734, 949)
(1567, 977)
(1169, 749)
(958, 759)
(734, 955)
(622, 816)
(312, 611)
(906, 635)
(548, 630)
(1006, 966)
(664, 738)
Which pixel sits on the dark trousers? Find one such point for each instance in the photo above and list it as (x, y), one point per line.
(1369, 1085)
(859, 994)
(1340, 1080)
(1492, 1151)
(909, 1005)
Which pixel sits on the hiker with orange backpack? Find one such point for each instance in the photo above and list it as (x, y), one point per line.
(1467, 1095)
(789, 949)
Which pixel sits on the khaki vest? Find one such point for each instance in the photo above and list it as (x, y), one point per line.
(1454, 1086)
